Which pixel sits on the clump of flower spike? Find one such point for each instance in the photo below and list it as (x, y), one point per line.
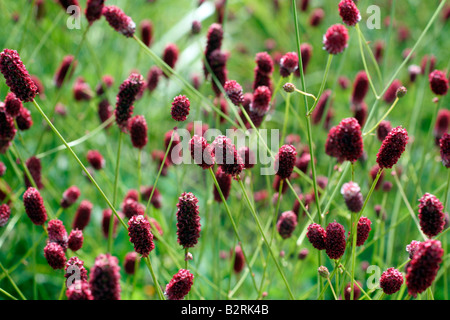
(128, 91)
(392, 147)
(431, 215)
(140, 235)
(34, 206)
(335, 240)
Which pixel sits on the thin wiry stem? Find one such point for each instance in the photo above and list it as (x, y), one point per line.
(155, 280)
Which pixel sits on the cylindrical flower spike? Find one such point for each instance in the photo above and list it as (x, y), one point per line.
(34, 167)
(129, 264)
(16, 75)
(12, 105)
(349, 12)
(140, 235)
(234, 92)
(391, 92)
(239, 260)
(146, 28)
(70, 196)
(128, 91)
(335, 240)
(335, 39)
(391, 281)
(352, 196)
(154, 74)
(24, 120)
(442, 124)
(288, 64)
(213, 42)
(180, 108)
(444, 145)
(55, 256)
(5, 213)
(138, 132)
(360, 87)
(227, 157)
(57, 233)
(286, 224)
(119, 20)
(94, 10)
(170, 55)
(261, 100)
(224, 181)
(75, 240)
(75, 267)
(106, 218)
(363, 231)
(95, 159)
(7, 128)
(438, 82)
(34, 206)
(346, 141)
(383, 130)
(431, 215)
(263, 70)
(188, 220)
(285, 161)
(320, 108)
(392, 147)
(423, 268)
(83, 215)
(68, 62)
(105, 278)
(201, 152)
(180, 285)
(316, 236)
(132, 208)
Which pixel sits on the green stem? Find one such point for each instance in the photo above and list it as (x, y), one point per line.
(12, 282)
(364, 62)
(322, 85)
(155, 280)
(384, 117)
(79, 162)
(255, 217)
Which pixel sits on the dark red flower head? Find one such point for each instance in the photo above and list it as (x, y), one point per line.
(363, 230)
(444, 145)
(60, 75)
(105, 111)
(132, 208)
(34, 167)
(5, 213)
(7, 128)
(335, 39)
(138, 131)
(140, 235)
(422, 270)
(170, 55)
(153, 78)
(67, 3)
(391, 92)
(224, 181)
(412, 248)
(95, 159)
(335, 240)
(360, 112)
(288, 64)
(239, 259)
(234, 92)
(352, 196)
(129, 264)
(201, 152)
(345, 142)
(94, 10)
(55, 255)
(146, 28)
(75, 240)
(196, 27)
(360, 87)
(285, 161)
(34, 206)
(217, 61)
(24, 120)
(16, 75)
(70, 196)
(316, 17)
(119, 20)
(213, 42)
(438, 82)
(391, 281)
(226, 156)
(248, 156)
(261, 100)
(320, 108)
(383, 130)
(306, 53)
(57, 233)
(75, 266)
(156, 198)
(82, 90)
(392, 147)
(188, 220)
(106, 218)
(356, 291)
(263, 70)
(286, 224)
(105, 278)
(83, 215)
(128, 91)
(78, 291)
(180, 108)
(316, 235)
(349, 12)
(442, 124)
(12, 105)
(431, 215)
(180, 285)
